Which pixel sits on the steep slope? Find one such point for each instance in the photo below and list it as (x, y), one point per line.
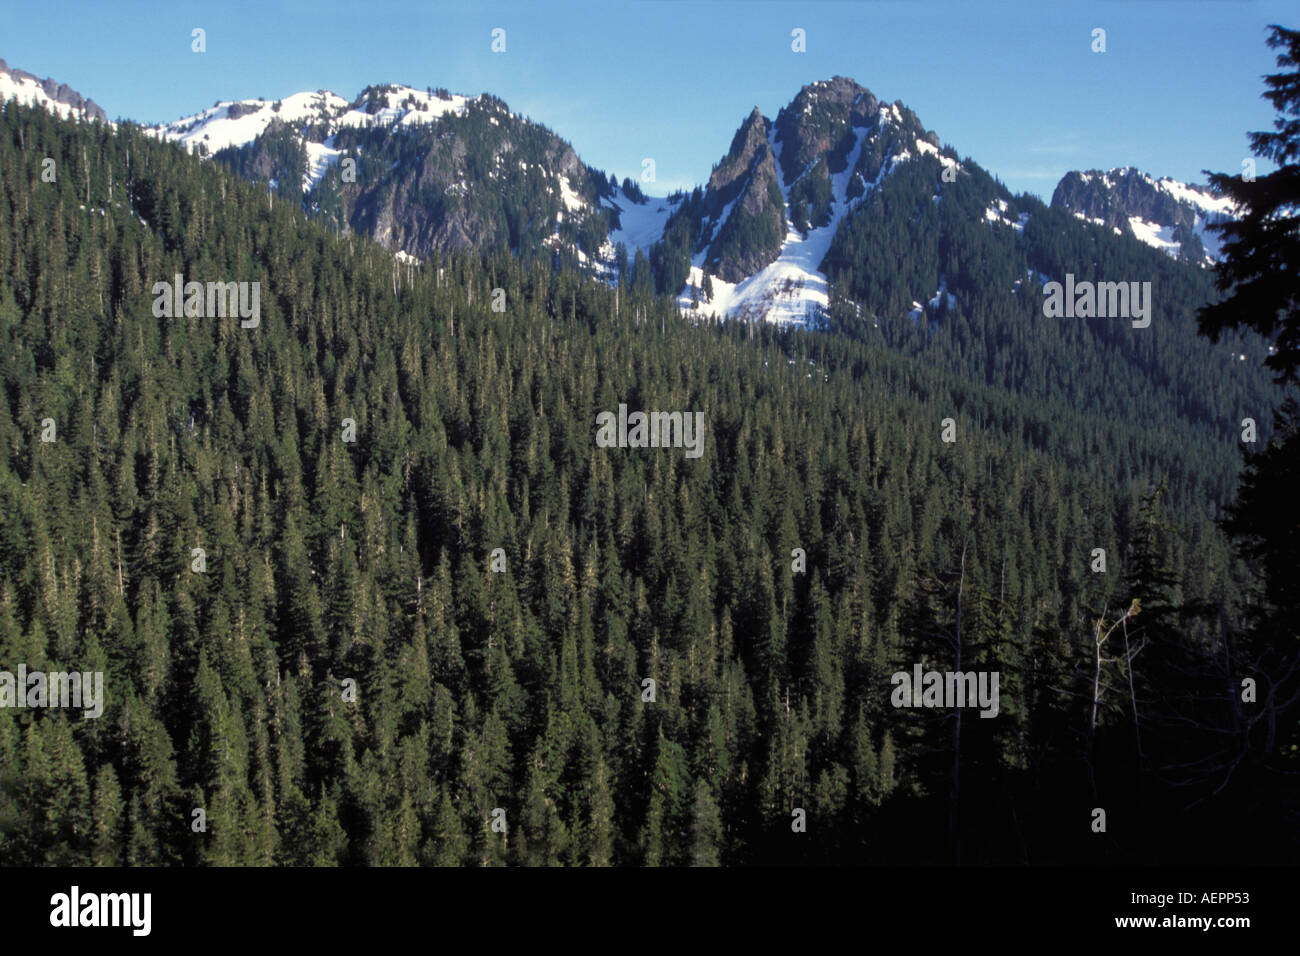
(419, 171)
(1164, 213)
(744, 205)
(826, 150)
(889, 236)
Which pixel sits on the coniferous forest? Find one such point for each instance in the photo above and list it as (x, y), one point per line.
(362, 584)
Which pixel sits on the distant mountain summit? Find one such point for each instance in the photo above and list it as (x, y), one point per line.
(844, 209)
(417, 170)
(758, 235)
(1164, 213)
(313, 117)
(59, 98)
(434, 171)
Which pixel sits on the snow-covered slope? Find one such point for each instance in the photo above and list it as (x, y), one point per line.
(239, 123)
(316, 117)
(433, 171)
(1166, 214)
(640, 224)
(792, 289)
(58, 98)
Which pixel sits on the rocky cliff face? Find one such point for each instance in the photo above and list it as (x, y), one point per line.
(418, 170)
(1165, 213)
(745, 209)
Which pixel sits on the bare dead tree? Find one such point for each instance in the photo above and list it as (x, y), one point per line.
(1101, 633)
(1132, 694)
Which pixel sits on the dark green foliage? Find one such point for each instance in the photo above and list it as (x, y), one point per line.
(331, 562)
(1255, 727)
(810, 199)
(1185, 397)
(747, 231)
(276, 155)
(1261, 249)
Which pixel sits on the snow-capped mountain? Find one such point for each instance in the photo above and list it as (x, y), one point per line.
(805, 215)
(1164, 213)
(431, 170)
(58, 98)
(764, 226)
(314, 117)
(436, 171)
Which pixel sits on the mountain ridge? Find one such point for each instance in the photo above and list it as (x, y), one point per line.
(754, 241)
(1165, 213)
(59, 98)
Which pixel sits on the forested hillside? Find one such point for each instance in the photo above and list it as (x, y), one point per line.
(1185, 397)
(355, 678)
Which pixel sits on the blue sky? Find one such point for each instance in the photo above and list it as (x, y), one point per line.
(1015, 85)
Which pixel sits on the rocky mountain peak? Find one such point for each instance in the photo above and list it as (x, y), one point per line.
(58, 97)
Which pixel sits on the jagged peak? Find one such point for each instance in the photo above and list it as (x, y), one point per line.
(1131, 177)
(750, 140)
(837, 87)
(1164, 213)
(58, 98)
(839, 93)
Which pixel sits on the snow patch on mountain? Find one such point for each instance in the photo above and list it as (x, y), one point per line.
(320, 157)
(1159, 212)
(929, 149)
(1198, 196)
(27, 90)
(405, 106)
(1154, 234)
(640, 224)
(572, 201)
(997, 214)
(239, 123)
(792, 289)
